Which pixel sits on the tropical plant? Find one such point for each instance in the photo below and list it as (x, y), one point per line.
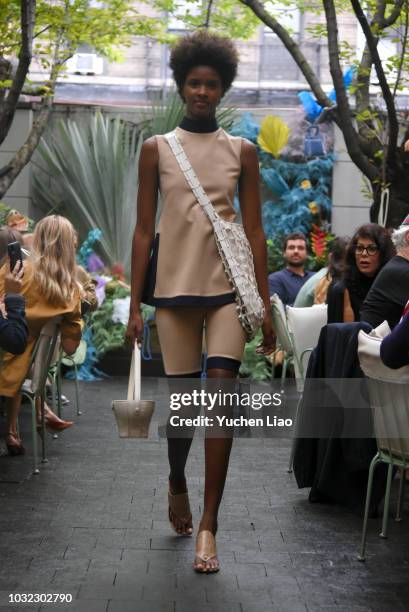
(90, 174)
(168, 111)
(275, 259)
(254, 365)
(320, 240)
(108, 335)
(164, 114)
(299, 188)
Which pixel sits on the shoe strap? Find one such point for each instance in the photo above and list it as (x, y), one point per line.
(180, 506)
(205, 545)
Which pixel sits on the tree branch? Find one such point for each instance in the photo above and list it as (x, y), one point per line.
(344, 111)
(386, 92)
(388, 21)
(362, 97)
(366, 128)
(292, 47)
(8, 107)
(208, 14)
(403, 52)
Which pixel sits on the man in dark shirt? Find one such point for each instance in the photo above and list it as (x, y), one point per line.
(287, 282)
(389, 293)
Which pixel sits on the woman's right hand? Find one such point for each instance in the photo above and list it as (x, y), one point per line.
(13, 281)
(134, 332)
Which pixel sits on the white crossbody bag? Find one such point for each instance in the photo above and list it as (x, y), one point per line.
(233, 246)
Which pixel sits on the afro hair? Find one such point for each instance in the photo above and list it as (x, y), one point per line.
(204, 49)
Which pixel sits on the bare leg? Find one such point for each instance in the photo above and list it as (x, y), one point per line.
(14, 444)
(53, 423)
(13, 409)
(217, 454)
(178, 451)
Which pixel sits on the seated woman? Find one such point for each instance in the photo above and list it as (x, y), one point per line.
(50, 288)
(395, 346)
(336, 261)
(369, 250)
(13, 327)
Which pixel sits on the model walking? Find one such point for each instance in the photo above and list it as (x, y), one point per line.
(188, 284)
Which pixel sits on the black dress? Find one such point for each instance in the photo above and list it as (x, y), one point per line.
(336, 466)
(357, 289)
(388, 295)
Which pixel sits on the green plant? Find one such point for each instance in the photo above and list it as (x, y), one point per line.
(253, 365)
(275, 259)
(168, 111)
(106, 334)
(94, 175)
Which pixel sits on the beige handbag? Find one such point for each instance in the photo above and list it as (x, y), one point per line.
(233, 246)
(133, 415)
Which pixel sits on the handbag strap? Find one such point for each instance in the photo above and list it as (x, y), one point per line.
(134, 383)
(191, 177)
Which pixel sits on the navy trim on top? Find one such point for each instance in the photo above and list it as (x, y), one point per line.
(200, 126)
(196, 374)
(194, 300)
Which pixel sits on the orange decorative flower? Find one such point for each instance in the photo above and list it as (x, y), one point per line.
(305, 184)
(313, 208)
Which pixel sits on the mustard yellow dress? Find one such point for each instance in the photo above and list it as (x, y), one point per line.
(14, 368)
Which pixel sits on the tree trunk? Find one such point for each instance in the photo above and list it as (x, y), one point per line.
(397, 177)
(12, 169)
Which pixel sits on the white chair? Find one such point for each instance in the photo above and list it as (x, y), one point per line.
(389, 399)
(304, 325)
(283, 337)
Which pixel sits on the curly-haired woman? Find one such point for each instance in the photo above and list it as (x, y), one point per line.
(50, 288)
(370, 248)
(190, 289)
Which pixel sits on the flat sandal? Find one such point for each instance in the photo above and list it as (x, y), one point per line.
(179, 507)
(205, 552)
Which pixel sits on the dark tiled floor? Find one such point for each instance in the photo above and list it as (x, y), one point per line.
(93, 525)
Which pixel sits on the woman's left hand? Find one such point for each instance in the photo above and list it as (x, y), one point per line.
(269, 338)
(3, 310)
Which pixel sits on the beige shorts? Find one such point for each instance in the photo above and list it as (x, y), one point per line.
(186, 332)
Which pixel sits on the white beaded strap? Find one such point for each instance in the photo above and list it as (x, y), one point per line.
(191, 177)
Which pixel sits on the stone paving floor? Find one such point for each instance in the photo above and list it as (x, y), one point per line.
(93, 524)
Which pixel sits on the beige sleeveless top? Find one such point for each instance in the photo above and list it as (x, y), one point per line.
(189, 270)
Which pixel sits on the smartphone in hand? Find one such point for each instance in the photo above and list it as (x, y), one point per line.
(15, 254)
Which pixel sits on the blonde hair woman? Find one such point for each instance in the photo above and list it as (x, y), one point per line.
(50, 288)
